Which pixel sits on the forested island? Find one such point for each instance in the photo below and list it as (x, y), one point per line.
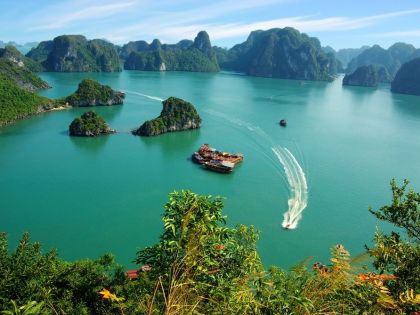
(362, 76)
(280, 53)
(18, 100)
(201, 265)
(74, 53)
(90, 124)
(197, 55)
(407, 79)
(176, 115)
(91, 93)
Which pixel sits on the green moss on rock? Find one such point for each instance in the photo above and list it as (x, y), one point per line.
(92, 93)
(176, 115)
(90, 124)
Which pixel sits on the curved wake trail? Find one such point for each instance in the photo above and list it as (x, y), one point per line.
(298, 187)
(155, 98)
(295, 175)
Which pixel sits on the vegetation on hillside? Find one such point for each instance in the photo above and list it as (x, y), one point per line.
(202, 266)
(187, 55)
(74, 53)
(91, 93)
(407, 79)
(364, 76)
(21, 76)
(17, 103)
(391, 58)
(176, 115)
(12, 54)
(281, 53)
(90, 124)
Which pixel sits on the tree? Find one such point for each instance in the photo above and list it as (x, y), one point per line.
(198, 259)
(394, 253)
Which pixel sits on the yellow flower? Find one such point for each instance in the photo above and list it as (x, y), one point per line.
(107, 295)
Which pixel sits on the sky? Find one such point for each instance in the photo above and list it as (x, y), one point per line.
(337, 23)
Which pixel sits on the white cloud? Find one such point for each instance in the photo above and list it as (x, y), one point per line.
(173, 29)
(399, 34)
(86, 13)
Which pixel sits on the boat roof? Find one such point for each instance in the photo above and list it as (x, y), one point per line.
(228, 164)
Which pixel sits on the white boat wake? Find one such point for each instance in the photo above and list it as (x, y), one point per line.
(295, 175)
(298, 187)
(155, 98)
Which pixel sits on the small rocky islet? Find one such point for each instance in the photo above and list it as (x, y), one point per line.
(92, 93)
(90, 124)
(176, 115)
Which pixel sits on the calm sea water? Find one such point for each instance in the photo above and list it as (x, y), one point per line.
(90, 196)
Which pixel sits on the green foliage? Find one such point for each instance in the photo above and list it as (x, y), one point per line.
(68, 53)
(17, 103)
(301, 56)
(12, 54)
(363, 76)
(176, 115)
(391, 59)
(195, 56)
(28, 275)
(91, 92)
(202, 266)
(198, 249)
(89, 124)
(21, 76)
(404, 212)
(407, 79)
(30, 308)
(40, 52)
(393, 253)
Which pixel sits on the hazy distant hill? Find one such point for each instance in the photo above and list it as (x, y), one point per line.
(24, 49)
(197, 55)
(407, 79)
(345, 55)
(391, 58)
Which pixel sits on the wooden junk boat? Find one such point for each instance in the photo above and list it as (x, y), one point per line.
(218, 161)
(220, 166)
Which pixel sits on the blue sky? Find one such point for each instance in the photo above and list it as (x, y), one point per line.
(338, 23)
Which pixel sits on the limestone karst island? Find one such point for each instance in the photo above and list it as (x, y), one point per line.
(209, 157)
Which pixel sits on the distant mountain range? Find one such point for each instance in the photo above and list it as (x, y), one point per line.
(197, 55)
(23, 48)
(279, 53)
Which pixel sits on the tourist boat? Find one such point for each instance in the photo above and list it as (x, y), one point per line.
(283, 122)
(197, 158)
(219, 166)
(208, 153)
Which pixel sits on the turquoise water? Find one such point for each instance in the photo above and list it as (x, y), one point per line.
(89, 196)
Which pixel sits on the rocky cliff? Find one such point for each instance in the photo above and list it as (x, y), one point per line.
(391, 59)
(281, 53)
(91, 93)
(74, 53)
(23, 77)
(407, 79)
(13, 55)
(176, 115)
(363, 76)
(184, 56)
